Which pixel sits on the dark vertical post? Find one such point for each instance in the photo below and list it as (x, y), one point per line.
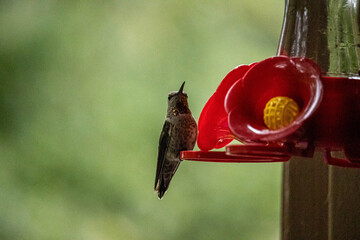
(305, 181)
(304, 201)
(344, 203)
(321, 202)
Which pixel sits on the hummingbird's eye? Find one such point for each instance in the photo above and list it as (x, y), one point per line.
(169, 97)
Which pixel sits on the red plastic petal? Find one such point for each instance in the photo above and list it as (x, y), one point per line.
(213, 125)
(297, 78)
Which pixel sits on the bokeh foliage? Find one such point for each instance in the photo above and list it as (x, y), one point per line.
(82, 101)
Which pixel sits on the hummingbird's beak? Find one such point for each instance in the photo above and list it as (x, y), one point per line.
(181, 88)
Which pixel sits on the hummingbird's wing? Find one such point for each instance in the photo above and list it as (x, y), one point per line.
(163, 145)
(166, 168)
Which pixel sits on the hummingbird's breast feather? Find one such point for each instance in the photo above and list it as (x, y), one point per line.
(186, 131)
(182, 134)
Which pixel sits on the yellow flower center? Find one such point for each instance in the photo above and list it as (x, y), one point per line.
(280, 112)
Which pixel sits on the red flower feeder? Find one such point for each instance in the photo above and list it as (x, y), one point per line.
(296, 78)
(278, 108)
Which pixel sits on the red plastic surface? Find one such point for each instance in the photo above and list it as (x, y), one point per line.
(336, 124)
(240, 154)
(273, 151)
(329, 159)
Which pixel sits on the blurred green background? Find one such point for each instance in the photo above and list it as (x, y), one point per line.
(83, 98)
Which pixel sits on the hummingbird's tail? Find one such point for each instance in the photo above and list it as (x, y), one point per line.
(167, 172)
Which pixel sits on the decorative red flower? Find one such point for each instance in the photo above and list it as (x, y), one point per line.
(236, 108)
(213, 125)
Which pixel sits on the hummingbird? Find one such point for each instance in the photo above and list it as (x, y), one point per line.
(178, 134)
